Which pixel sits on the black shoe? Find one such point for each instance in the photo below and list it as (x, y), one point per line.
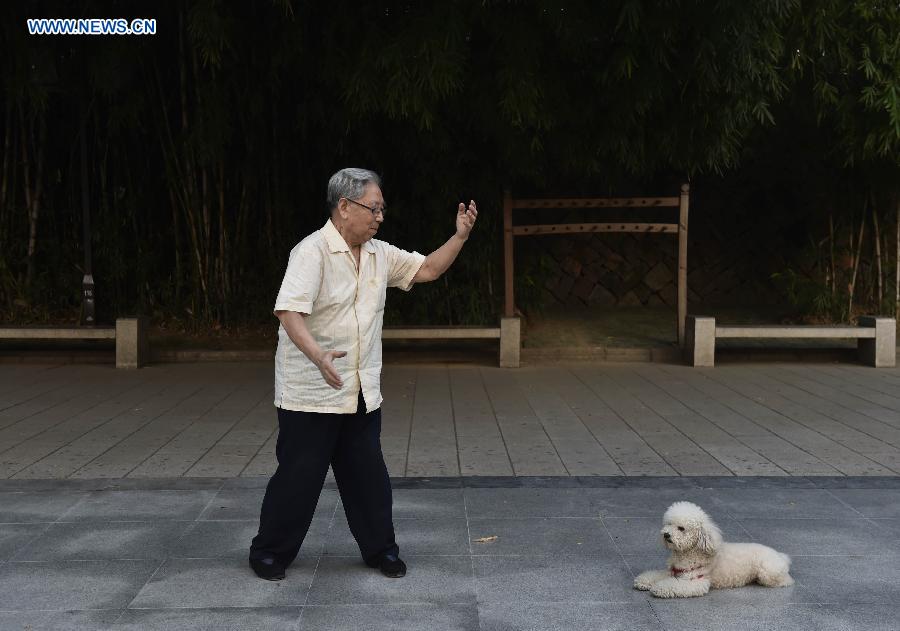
(268, 568)
(392, 566)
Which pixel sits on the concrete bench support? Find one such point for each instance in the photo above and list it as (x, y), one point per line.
(700, 341)
(132, 349)
(510, 342)
(880, 351)
(876, 338)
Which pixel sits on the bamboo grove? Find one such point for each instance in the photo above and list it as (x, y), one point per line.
(202, 152)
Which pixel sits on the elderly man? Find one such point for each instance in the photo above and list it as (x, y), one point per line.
(328, 374)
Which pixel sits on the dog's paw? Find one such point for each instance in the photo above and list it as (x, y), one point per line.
(645, 580)
(663, 592)
(784, 581)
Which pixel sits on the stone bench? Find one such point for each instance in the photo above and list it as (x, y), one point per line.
(509, 334)
(877, 338)
(130, 334)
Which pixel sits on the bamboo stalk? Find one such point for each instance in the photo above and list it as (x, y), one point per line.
(4, 178)
(241, 215)
(177, 234)
(26, 174)
(14, 178)
(878, 258)
(33, 191)
(204, 207)
(190, 183)
(174, 172)
(855, 258)
(831, 247)
(188, 178)
(223, 273)
(897, 260)
(272, 189)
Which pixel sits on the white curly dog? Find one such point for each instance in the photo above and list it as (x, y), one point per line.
(700, 561)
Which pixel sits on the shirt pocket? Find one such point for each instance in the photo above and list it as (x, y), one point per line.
(377, 290)
(337, 292)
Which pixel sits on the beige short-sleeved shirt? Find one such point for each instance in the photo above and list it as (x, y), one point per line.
(346, 313)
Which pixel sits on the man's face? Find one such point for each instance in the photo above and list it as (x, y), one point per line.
(360, 224)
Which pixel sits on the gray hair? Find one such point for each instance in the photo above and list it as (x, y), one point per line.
(350, 183)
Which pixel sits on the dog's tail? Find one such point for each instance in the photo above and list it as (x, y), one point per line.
(785, 558)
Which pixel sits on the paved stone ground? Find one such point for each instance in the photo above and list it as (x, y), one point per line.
(171, 554)
(632, 419)
(570, 466)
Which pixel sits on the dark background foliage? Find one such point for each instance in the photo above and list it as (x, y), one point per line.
(209, 145)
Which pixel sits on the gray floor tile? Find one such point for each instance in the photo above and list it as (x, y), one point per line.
(872, 502)
(552, 535)
(420, 536)
(848, 617)
(640, 535)
(99, 541)
(58, 620)
(14, 537)
(222, 583)
(426, 504)
(651, 502)
(139, 506)
(777, 503)
(249, 482)
(703, 614)
(755, 482)
(592, 502)
(244, 504)
(230, 619)
(29, 507)
(818, 536)
(580, 502)
(390, 618)
(429, 579)
(849, 580)
(599, 578)
(568, 616)
(213, 539)
(883, 482)
(486, 503)
(891, 531)
(63, 585)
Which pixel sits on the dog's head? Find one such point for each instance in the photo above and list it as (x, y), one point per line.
(687, 527)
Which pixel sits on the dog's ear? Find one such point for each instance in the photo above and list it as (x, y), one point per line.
(709, 537)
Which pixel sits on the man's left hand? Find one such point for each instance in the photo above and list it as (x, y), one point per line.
(465, 219)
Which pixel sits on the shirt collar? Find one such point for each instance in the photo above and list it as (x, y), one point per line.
(336, 242)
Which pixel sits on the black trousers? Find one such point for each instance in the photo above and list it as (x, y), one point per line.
(307, 443)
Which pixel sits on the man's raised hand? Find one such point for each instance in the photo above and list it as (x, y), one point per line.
(465, 219)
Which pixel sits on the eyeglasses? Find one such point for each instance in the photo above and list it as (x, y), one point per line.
(374, 211)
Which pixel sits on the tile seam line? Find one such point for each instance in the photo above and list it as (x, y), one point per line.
(627, 423)
(98, 427)
(117, 393)
(804, 425)
(787, 440)
(739, 439)
(792, 401)
(212, 405)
